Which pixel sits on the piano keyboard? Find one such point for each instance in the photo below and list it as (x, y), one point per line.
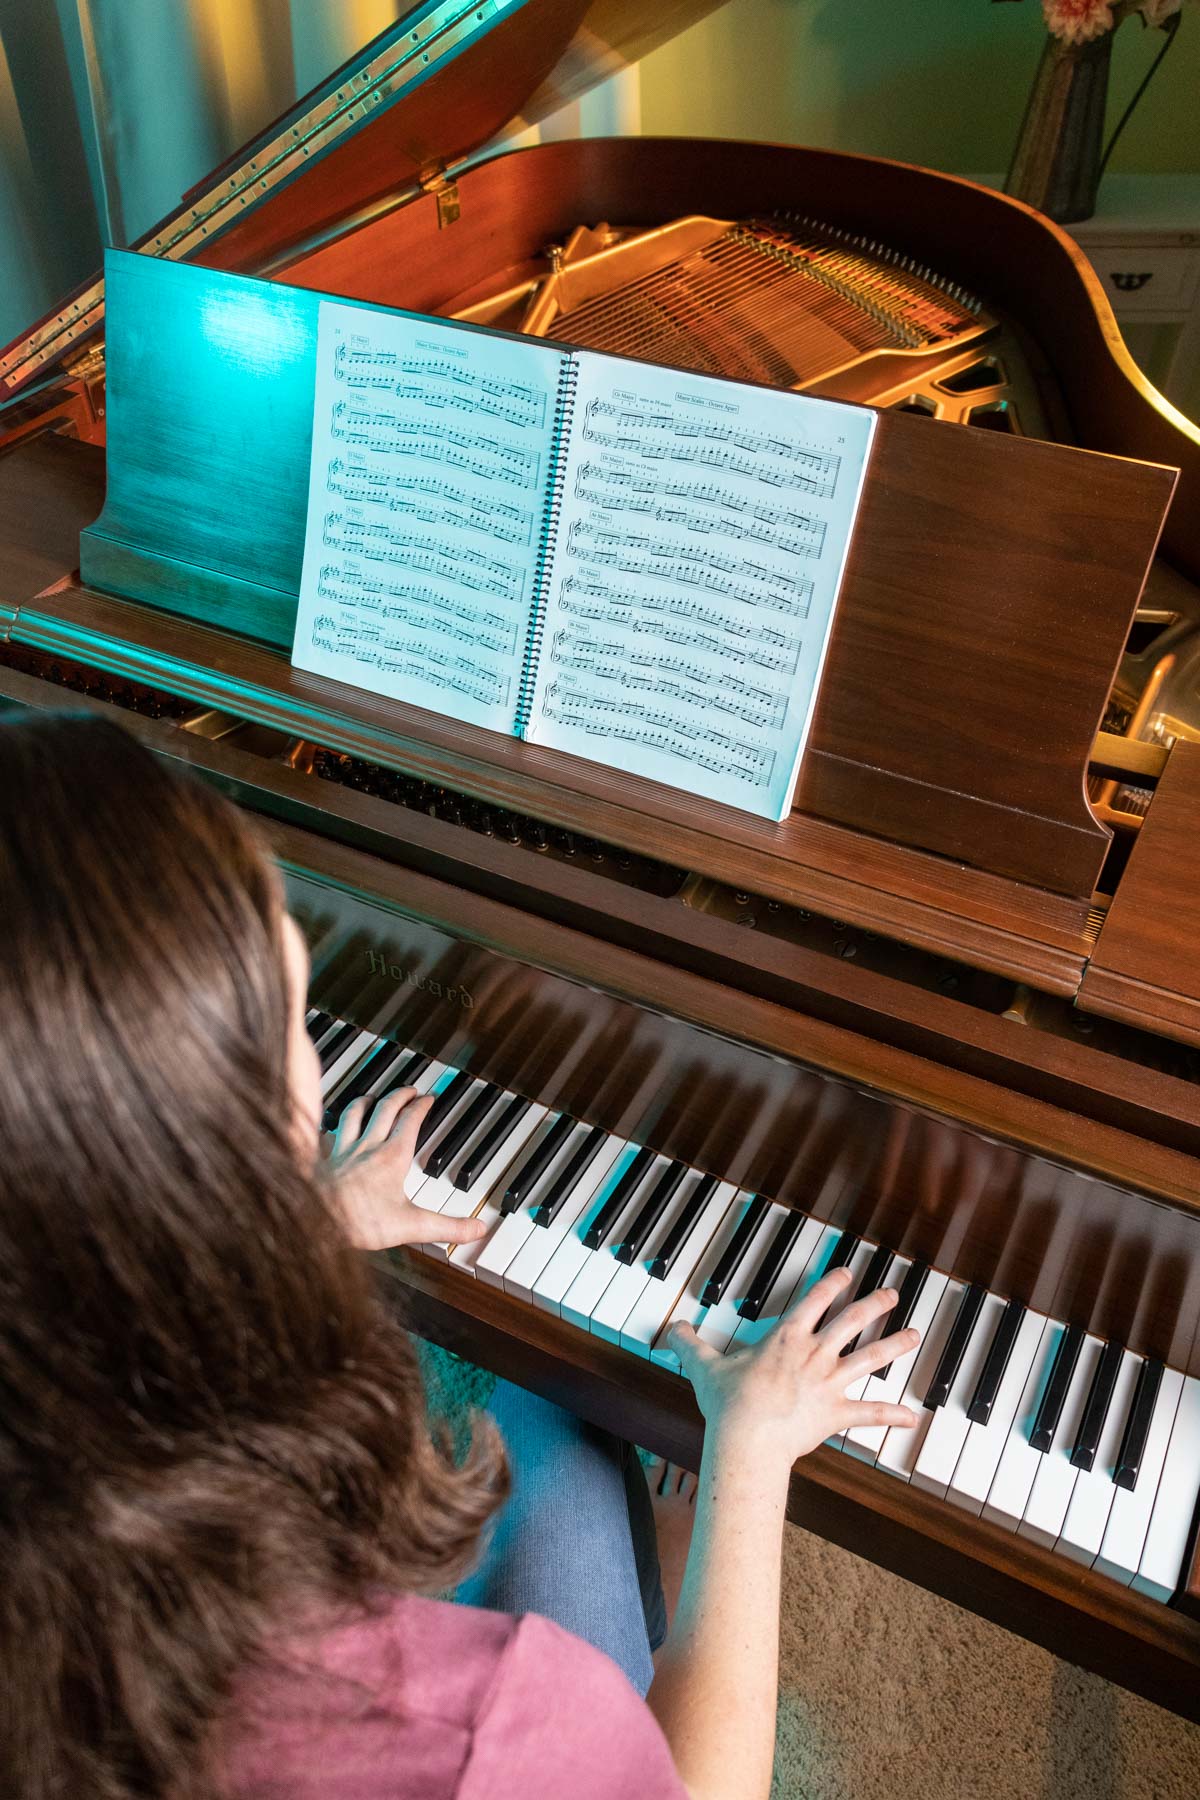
(1027, 1421)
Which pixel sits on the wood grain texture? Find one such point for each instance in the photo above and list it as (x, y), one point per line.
(943, 718)
(1073, 1074)
(1084, 1618)
(1014, 258)
(987, 920)
(49, 489)
(1145, 967)
(943, 722)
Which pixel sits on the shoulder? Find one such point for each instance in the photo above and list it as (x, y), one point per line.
(562, 1718)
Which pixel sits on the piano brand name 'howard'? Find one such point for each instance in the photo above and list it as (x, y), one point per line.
(457, 996)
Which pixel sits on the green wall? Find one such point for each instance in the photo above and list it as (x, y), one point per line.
(939, 82)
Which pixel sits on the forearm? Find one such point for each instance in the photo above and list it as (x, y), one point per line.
(714, 1693)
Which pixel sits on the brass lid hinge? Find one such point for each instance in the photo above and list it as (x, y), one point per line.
(444, 190)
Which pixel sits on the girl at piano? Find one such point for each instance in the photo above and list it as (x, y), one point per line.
(223, 1511)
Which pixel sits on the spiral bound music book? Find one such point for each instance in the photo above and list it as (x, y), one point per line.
(631, 563)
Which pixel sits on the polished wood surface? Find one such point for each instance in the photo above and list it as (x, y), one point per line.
(516, 203)
(943, 720)
(923, 899)
(1145, 967)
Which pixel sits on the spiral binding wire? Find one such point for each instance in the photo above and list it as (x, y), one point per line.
(567, 380)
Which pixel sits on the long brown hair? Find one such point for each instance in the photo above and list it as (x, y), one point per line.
(210, 1426)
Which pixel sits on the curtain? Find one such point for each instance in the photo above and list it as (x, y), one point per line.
(111, 109)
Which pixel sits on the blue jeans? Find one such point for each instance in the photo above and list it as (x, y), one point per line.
(575, 1541)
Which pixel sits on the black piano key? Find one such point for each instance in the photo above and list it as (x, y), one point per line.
(995, 1363)
(318, 1025)
(608, 1214)
(950, 1360)
(481, 1154)
(464, 1129)
(735, 1250)
(1137, 1426)
(443, 1106)
(376, 1068)
(1048, 1413)
(331, 1049)
(683, 1227)
(535, 1166)
(412, 1070)
(1087, 1440)
(651, 1211)
(906, 1303)
(778, 1251)
(843, 1250)
(569, 1176)
(874, 1276)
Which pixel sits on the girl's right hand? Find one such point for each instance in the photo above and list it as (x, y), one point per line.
(786, 1394)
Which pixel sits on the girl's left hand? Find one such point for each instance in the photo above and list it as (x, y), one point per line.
(368, 1168)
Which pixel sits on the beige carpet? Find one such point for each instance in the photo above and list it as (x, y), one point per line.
(889, 1693)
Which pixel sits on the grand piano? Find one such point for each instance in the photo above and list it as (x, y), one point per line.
(940, 1024)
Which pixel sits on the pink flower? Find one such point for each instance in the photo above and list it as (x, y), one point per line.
(1075, 21)
(1157, 12)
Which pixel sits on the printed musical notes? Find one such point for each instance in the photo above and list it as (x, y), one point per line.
(700, 540)
(426, 510)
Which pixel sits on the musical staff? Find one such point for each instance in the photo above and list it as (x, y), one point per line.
(392, 434)
(377, 541)
(681, 619)
(651, 727)
(420, 607)
(666, 559)
(438, 382)
(431, 500)
(700, 506)
(690, 681)
(662, 433)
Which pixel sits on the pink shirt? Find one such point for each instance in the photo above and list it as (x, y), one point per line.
(431, 1701)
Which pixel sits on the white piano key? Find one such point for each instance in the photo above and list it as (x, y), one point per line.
(1019, 1461)
(349, 1058)
(809, 1239)
(522, 1273)
(462, 1203)
(721, 1321)
(1170, 1522)
(902, 1445)
(689, 1309)
(1054, 1481)
(632, 1279)
(571, 1254)
(949, 1425)
(984, 1445)
(658, 1299)
(866, 1441)
(1094, 1491)
(601, 1266)
(1129, 1517)
(514, 1228)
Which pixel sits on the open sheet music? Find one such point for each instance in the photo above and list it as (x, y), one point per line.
(630, 563)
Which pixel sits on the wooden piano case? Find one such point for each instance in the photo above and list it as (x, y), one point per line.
(943, 808)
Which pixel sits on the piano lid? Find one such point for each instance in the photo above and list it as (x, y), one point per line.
(420, 99)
